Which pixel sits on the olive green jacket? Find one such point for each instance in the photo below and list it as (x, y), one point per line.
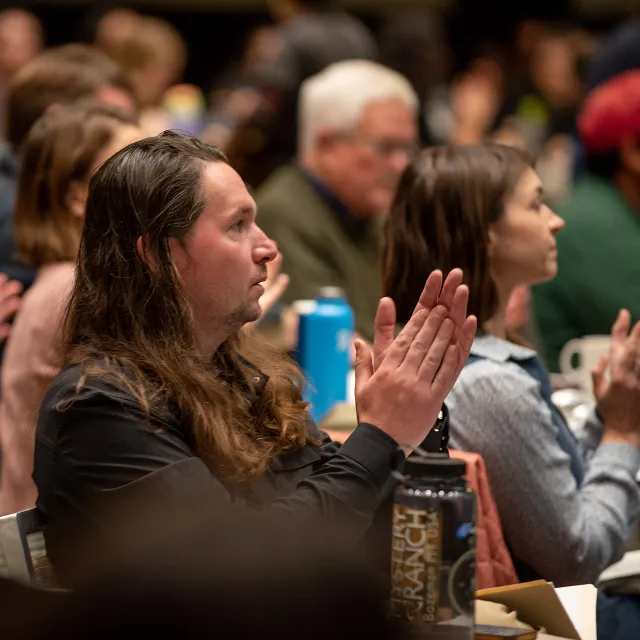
(322, 243)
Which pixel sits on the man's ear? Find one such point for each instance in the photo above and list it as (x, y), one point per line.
(145, 253)
(76, 198)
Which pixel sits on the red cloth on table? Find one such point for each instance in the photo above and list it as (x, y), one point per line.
(494, 567)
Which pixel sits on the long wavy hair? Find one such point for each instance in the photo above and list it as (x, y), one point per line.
(132, 324)
(62, 148)
(445, 203)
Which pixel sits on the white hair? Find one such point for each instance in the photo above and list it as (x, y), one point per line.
(336, 97)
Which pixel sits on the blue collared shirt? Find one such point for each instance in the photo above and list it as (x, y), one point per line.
(567, 531)
(350, 222)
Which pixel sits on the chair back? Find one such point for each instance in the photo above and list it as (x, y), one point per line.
(623, 577)
(21, 542)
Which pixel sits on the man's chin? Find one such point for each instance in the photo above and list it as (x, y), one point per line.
(242, 317)
(251, 314)
(254, 314)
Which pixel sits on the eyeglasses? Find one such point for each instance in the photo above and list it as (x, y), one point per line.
(386, 148)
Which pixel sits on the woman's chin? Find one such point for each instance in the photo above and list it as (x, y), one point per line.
(545, 275)
(551, 273)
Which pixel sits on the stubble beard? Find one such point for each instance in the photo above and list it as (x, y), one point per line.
(240, 316)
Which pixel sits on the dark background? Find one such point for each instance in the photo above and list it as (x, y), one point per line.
(216, 32)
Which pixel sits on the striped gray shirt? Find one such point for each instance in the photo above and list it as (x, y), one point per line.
(567, 533)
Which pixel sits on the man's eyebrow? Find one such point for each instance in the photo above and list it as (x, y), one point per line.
(244, 209)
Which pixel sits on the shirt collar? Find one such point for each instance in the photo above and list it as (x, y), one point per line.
(348, 220)
(258, 378)
(329, 197)
(498, 350)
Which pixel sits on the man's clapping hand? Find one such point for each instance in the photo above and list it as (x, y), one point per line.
(402, 383)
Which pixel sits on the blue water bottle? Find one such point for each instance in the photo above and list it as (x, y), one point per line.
(325, 334)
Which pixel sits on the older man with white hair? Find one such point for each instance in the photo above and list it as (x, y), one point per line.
(358, 129)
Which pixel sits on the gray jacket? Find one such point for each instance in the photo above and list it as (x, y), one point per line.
(567, 532)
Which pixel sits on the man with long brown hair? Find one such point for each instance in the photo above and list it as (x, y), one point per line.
(159, 372)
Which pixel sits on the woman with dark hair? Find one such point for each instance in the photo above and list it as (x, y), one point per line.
(61, 151)
(566, 502)
(162, 389)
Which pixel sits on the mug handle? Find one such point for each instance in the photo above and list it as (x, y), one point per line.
(572, 348)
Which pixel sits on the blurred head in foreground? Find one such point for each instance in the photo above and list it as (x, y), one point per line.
(221, 575)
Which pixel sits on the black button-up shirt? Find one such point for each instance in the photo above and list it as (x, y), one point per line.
(97, 443)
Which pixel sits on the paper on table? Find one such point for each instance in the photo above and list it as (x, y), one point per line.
(537, 603)
(580, 604)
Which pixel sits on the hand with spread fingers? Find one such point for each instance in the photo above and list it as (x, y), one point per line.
(10, 291)
(434, 293)
(619, 397)
(402, 383)
(274, 287)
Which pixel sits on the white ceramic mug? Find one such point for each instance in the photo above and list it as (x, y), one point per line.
(588, 350)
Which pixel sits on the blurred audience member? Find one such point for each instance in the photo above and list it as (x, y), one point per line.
(311, 35)
(599, 269)
(114, 27)
(197, 575)
(358, 129)
(238, 106)
(415, 44)
(555, 165)
(154, 54)
(50, 204)
(546, 102)
(616, 53)
(315, 34)
(476, 97)
(57, 76)
(509, 134)
(566, 503)
(528, 33)
(21, 40)
(162, 388)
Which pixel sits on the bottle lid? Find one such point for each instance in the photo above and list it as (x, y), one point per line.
(331, 292)
(435, 465)
(304, 307)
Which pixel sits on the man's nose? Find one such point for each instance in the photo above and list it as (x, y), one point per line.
(266, 249)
